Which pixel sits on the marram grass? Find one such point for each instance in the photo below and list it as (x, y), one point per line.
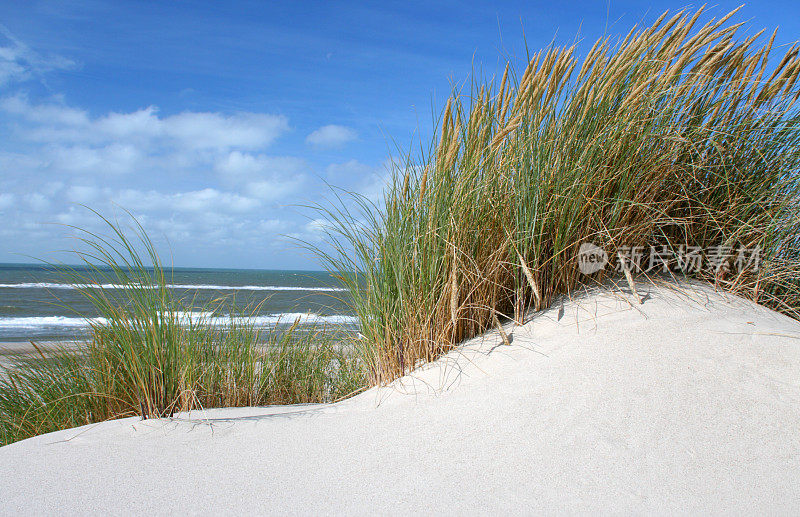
(148, 357)
(676, 135)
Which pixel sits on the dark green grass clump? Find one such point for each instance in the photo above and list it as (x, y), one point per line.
(676, 136)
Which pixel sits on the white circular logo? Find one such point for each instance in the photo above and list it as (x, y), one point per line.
(591, 258)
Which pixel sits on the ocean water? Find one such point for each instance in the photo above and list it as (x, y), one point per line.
(39, 304)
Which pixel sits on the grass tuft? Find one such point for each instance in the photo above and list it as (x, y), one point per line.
(152, 355)
(678, 135)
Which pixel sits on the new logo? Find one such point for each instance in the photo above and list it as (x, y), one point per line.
(591, 258)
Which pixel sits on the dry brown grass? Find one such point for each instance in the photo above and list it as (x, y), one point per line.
(677, 135)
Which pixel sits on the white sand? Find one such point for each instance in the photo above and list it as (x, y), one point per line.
(686, 404)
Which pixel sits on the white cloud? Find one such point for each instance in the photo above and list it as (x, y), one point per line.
(318, 226)
(16, 162)
(331, 136)
(241, 166)
(83, 194)
(116, 158)
(38, 202)
(79, 218)
(51, 188)
(10, 68)
(364, 179)
(373, 186)
(18, 62)
(203, 180)
(60, 139)
(267, 178)
(205, 200)
(192, 131)
(216, 131)
(143, 123)
(55, 114)
(271, 190)
(272, 225)
(210, 198)
(349, 170)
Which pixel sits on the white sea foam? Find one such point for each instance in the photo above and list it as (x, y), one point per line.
(51, 285)
(34, 322)
(42, 322)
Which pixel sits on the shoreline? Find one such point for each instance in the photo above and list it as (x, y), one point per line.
(25, 347)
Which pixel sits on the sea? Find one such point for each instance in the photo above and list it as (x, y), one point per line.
(38, 303)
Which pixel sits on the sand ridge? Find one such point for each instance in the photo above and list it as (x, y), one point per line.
(688, 403)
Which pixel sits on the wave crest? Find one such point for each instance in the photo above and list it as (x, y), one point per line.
(53, 285)
(40, 322)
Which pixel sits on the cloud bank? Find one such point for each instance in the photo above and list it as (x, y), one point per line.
(209, 182)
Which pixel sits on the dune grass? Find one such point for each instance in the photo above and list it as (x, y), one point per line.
(151, 355)
(677, 135)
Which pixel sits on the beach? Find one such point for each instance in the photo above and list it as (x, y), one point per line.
(687, 403)
(15, 350)
(575, 291)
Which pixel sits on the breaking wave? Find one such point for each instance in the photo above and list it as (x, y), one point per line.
(51, 285)
(42, 322)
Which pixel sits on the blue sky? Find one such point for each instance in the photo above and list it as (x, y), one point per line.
(213, 121)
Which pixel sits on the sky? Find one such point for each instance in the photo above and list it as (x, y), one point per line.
(216, 123)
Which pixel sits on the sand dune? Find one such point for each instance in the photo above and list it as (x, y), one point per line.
(687, 403)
